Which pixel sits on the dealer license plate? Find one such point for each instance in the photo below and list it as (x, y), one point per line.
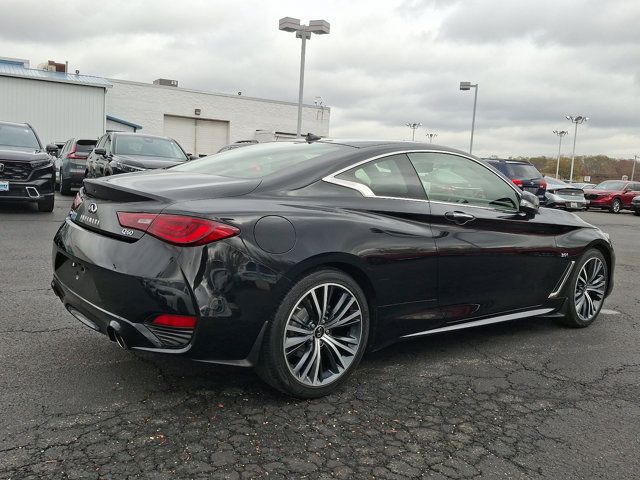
(4, 186)
(573, 205)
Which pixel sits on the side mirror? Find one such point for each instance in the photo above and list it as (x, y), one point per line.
(529, 204)
(100, 151)
(190, 156)
(52, 148)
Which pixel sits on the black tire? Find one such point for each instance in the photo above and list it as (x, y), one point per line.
(273, 366)
(572, 317)
(46, 205)
(616, 206)
(636, 213)
(65, 185)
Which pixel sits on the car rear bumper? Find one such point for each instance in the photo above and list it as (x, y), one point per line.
(569, 204)
(117, 288)
(74, 176)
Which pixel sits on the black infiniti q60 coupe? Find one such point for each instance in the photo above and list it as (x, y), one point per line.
(296, 257)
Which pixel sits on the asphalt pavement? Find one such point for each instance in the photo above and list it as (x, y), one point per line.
(521, 400)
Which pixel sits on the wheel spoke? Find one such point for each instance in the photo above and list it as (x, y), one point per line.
(339, 344)
(301, 330)
(316, 304)
(292, 344)
(335, 356)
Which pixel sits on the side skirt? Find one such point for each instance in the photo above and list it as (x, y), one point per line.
(484, 321)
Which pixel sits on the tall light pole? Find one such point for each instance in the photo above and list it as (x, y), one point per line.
(413, 126)
(469, 86)
(319, 27)
(431, 136)
(576, 119)
(559, 133)
(633, 169)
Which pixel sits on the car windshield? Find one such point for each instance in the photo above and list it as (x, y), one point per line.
(610, 185)
(18, 136)
(258, 160)
(148, 146)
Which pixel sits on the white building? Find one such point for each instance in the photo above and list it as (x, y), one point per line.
(203, 122)
(58, 105)
(61, 105)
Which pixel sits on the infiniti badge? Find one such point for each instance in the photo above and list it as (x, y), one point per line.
(93, 208)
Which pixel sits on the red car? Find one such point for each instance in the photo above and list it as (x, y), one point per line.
(614, 195)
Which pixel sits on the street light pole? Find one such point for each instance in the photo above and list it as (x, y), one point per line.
(431, 136)
(633, 169)
(469, 86)
(320, 27)
(576, 119)
(559, 133)
(413, 126)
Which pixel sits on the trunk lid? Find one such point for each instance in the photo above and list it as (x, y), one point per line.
(151, 192)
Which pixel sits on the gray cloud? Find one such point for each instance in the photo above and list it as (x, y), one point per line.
(384, 63)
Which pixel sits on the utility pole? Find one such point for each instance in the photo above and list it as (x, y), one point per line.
(431, 136)
(559, 133)
(576, 119)
(413, 126)
(633, 169)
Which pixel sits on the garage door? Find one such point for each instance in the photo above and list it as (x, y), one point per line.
(197, 135)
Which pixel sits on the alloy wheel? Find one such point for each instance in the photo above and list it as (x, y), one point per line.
(615, 207)
(590, 289)
(323, 334)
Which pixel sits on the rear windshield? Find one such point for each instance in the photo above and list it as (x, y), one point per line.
(258, 160)
(147, 146)
(611, 185)
(85, 146)
(523, 171)
(18, 136)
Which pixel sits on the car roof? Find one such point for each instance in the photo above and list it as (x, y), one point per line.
(133, 134)
(15, 124)
(507, 160)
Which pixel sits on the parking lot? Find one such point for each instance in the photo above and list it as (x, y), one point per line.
(527, 399)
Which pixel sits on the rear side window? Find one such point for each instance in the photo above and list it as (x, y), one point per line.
(390, 176)
(501, 167)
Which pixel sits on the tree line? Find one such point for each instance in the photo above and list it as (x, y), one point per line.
(598, 167)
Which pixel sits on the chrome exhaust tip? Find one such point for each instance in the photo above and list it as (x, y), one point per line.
(119, 340)
(32, 192)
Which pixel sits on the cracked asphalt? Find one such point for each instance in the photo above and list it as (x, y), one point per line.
(521, 400)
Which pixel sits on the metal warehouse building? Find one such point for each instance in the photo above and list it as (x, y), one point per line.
(62, 105)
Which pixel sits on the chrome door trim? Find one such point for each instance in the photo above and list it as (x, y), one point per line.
(366, 191)
(484, 321)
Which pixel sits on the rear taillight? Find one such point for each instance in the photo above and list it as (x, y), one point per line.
(76, 202)
(175, 321)
(517, 182)
(543, 184)
(72, 155)
(177, 229)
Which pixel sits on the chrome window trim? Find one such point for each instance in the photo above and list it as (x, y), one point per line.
(367, 192)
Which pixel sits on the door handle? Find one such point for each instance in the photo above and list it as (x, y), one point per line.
(459, 218)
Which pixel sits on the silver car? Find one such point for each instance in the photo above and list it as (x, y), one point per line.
(564, 195)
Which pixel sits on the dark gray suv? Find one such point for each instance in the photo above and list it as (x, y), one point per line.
(71, 163)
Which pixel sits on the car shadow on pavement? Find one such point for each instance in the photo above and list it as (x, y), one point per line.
(184, 375)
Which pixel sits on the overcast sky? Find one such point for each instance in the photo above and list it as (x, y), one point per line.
(384, 64)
